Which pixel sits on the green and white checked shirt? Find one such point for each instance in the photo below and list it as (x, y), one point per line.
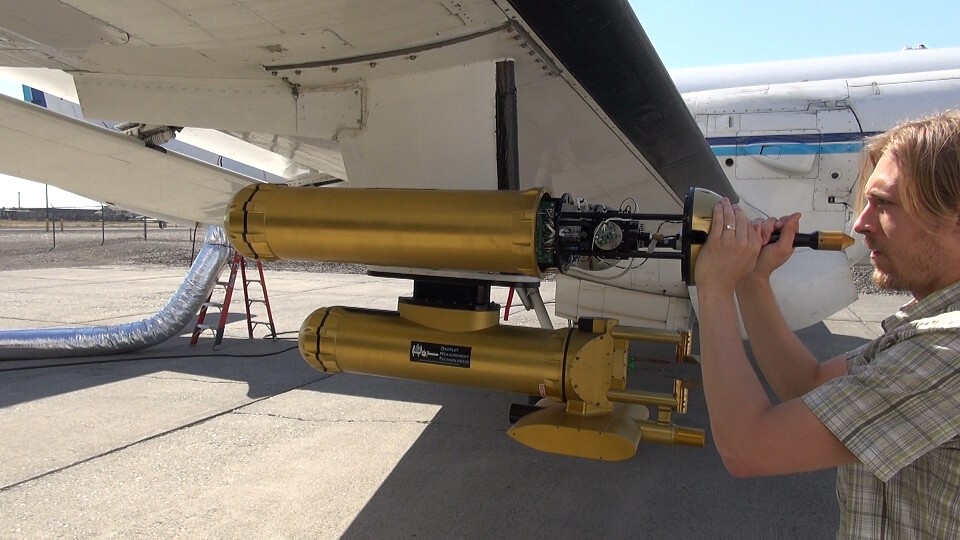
(898, 411)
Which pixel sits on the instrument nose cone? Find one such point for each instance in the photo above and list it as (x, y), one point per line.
(835, 240)
(847, 241)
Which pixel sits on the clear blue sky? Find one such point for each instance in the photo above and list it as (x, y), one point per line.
(690, 33)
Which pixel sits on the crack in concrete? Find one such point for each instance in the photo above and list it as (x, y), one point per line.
(329, 421)
(148, 438)
(366, 421)
(192, 379)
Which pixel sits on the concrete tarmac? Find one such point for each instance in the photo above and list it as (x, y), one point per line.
(249, 442)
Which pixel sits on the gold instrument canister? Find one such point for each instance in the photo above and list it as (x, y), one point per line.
(583, 370)
(486, 231)
(508, 358)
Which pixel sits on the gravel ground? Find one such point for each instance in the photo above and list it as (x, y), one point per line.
(28, 249)
(864, 282)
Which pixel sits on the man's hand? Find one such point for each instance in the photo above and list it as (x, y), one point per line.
(773, 256)
(731, 250)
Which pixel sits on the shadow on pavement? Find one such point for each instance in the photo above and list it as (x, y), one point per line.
(268, 368)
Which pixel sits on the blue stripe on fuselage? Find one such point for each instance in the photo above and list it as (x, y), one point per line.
(788, 145)
(782, 149)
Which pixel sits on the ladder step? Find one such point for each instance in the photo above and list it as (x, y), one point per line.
(229, 287)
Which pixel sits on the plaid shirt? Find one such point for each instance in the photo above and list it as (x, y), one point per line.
(898, 411)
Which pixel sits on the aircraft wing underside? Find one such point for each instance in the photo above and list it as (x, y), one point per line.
(111, 167)
(474, 94)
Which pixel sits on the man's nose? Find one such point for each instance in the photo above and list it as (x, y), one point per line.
(862, 224)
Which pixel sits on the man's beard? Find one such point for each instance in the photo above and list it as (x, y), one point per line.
(923, 262)
(890, 282)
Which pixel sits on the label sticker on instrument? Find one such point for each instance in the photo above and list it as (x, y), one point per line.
(442, 355)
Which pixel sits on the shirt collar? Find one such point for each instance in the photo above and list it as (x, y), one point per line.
(936, 303)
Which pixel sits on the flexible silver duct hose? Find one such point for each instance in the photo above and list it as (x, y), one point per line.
(127, 337)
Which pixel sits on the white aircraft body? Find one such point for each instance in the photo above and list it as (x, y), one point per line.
(404, 94)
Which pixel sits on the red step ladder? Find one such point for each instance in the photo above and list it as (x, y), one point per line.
(239, 262)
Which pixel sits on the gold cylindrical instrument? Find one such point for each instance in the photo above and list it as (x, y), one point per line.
(582, 370)
(487, 231)
(506, 232)
(517, 359)
(508, 358)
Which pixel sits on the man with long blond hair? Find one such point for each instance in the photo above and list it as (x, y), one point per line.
(886, 414)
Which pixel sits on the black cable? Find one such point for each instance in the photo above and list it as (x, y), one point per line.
(116, 360)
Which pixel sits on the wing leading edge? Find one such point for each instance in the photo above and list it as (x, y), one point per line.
(605, 48)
